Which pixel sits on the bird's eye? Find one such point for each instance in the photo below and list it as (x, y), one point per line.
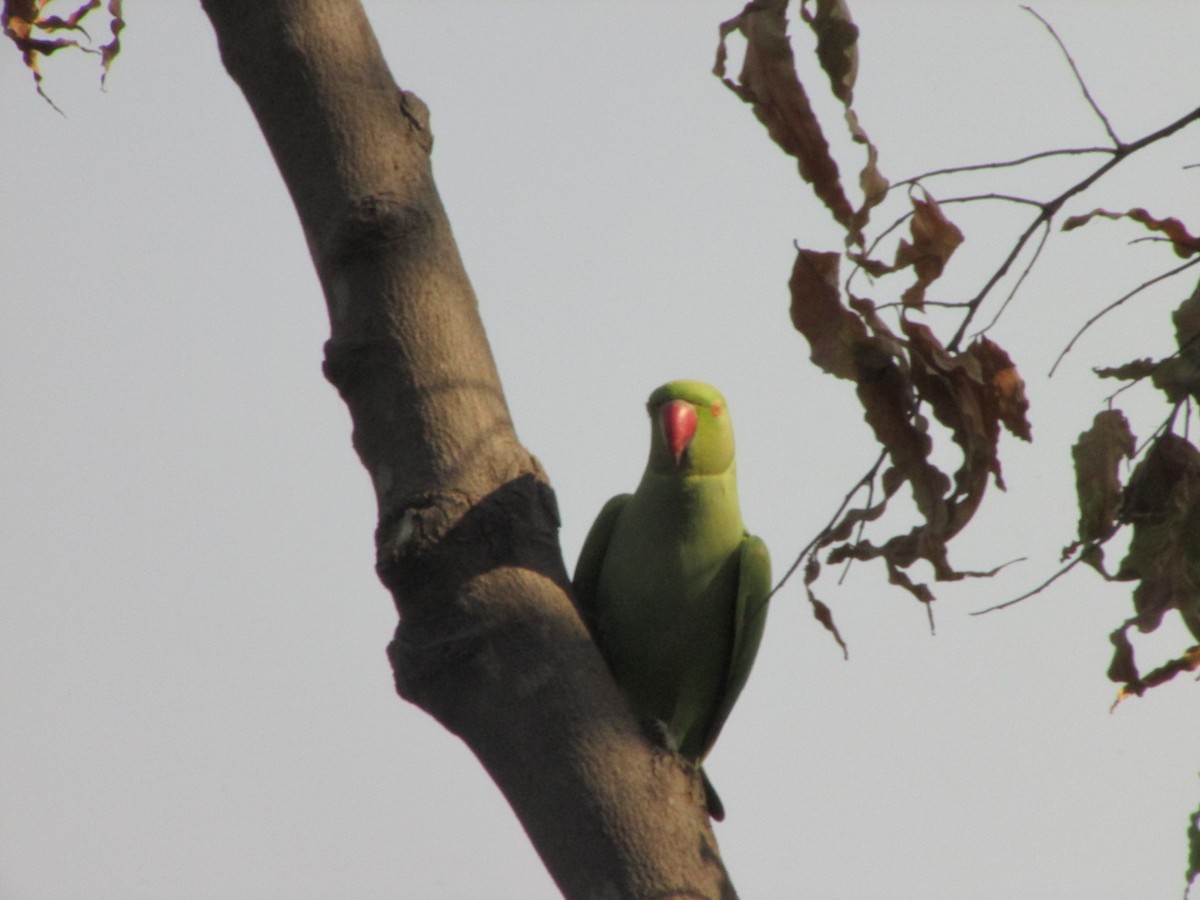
(717, 409)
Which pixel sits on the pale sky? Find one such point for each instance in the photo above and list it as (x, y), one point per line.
(194, 695)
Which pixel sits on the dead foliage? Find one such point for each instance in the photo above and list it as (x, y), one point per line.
(903, 374)
(922, 386)
(34, 33)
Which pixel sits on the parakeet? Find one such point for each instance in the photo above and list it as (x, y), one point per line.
(671, 585)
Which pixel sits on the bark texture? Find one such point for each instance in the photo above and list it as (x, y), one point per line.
(488, 642)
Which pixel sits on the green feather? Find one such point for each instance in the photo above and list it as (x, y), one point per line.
(672, 587)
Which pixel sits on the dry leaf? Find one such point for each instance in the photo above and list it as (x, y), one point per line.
(1162, 503)
(768, 82)
(20, 19)
(1185, 244)
(820, 611)
(837, 51)
(1006, 392)
(1098, 454)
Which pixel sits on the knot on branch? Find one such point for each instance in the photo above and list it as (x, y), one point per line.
(469, 577)
(432, 543)
(350, 363)
(371, 224)
(413, 109)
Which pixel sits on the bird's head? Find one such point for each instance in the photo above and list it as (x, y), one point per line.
(690, 429)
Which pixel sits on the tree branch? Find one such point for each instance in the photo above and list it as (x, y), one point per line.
(1078, 77)
(489, 642)
(1051, 207)
(1149, 282)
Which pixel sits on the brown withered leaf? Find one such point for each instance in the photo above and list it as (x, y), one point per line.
(1193, 839)
(1187, 323)
(1130, 371)
(1161, 481)
(109, 51)
(821, 611)
(837, 51)
(845, 526)
(1136, 686)
(841, 345)
(934, 240)
(840, 341)
(1177, 376)
(1006, 399)
(968, 392)
(973, 393)
(837, 44)
(1098, 454)
(952, 384)
(897, 553)
(769, 84)
(1123, 668)
(1184, 243)
(70, 23)
(865, 307)
(818, 314)
(889, 406)
(1162, 503)
(20, 19)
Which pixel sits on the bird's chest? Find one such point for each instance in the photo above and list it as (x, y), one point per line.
(668, 587)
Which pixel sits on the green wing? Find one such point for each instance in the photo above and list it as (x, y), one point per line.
(749, 618)
(591, 559)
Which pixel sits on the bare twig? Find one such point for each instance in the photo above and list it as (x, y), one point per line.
(1168, 424)
(1051, 207)
(1037, 590)
(1024, 274)
(970, 198)
(1098, 316)
(944, 304)
(1011, 198)
(977, 167)
(1078, 77)
(866, 481)
(862, 525)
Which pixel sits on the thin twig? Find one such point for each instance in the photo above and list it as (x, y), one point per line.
(1108, 401)
(1037, 590)
(862, 526)
(1042, 218)
(1012, 293)
(866, 481)
(1168, 424)
(1096, 318)
(976, 167)
(1050, 210)
(1011, 198)
(1078, 77)
(970, 198)
(945, 304)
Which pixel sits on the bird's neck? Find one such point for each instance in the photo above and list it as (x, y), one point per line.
(694, 498)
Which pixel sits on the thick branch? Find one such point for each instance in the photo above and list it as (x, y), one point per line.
(489, 642)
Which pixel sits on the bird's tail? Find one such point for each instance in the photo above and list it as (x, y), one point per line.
(716, 809)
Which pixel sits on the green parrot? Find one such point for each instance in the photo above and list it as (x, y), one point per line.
(671, 585)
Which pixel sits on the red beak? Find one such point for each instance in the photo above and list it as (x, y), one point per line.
(679, 426)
